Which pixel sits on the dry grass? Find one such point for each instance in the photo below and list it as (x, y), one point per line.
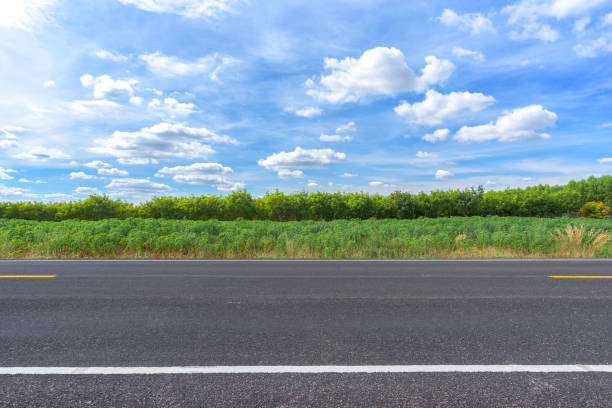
(577, 241)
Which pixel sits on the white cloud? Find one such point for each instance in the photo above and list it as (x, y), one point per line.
(349, 127)
(375, 183)
(87, 191)
(185, 8)
(24, 14)
(312, 184)
(607, 19)
(170, 67)
(475, 23)
(112, 172)
(291, 164)
(379, 71)
(519, 125)
(136, 100)
(580, 25)
(110, 55)
(172, 108)
(98, 164)
(437, 107)
(98, 107)
(426, 155)
(25, 180)
(307, 112)
(348, 175)
(4, 174)
(104, 86)
(58, 197)
(8, 140)
(335, 138)
(605, 125)
(594, 47)
(529, 16)
(435, 71)
(162, 141)
(49, 84)
(605, 160)
(208, 174)
(41, 154)
(438, 135)
(135, 189)
(463, 52)
(443, 175)
(285, 174)
(82, 176)
(12, 191)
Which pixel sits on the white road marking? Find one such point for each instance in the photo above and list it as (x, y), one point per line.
(320, 369)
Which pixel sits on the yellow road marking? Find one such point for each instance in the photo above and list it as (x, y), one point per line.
(580, 277)
(26, 276)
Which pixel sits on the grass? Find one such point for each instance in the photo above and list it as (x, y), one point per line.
(421, 238)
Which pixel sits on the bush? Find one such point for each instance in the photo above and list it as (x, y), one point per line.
(595, 210)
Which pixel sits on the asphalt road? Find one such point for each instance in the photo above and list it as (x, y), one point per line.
(237, 313)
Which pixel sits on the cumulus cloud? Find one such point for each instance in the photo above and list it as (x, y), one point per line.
(438, 135)
(465, 53)
(170, 67)
(348, 175)
(207, 174)
(162, 141)
(106, 87)
(41, 154)
(475, 23)
(443, 175)
(307, 112)
(426, 155)
(49, 84)
(592, 48)
(12, 191)
(437, 107)
(132, 189)
(112, 172)
(4, 173)
(335, 138)
(109, 55)
(379, 71)
(87, 191)
(605, 160)
(291, 164)
(24, 14)
(79, 175)
(528, 17)
(312, 184)
(172, 108)
(349, 127)
(519, 125)
(98, 164)
(185, 8)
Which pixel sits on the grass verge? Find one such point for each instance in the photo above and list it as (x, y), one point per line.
(457, 237)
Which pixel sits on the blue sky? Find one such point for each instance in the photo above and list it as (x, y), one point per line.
(137, 98)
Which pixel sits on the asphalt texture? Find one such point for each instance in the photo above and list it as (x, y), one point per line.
(177, 313)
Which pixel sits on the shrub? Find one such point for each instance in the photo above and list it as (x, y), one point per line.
(595, 210)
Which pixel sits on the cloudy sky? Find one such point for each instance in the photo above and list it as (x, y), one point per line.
(136, 98)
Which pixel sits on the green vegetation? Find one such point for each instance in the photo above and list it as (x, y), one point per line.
(595, 210)
(444, 237)
(537, 201)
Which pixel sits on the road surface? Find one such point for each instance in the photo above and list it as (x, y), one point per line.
(481, 328)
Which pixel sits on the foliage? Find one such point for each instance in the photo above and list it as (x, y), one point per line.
(595, 210)
(443, 237)
(536, 201)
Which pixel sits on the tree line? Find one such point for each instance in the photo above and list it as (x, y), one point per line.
(535, 201)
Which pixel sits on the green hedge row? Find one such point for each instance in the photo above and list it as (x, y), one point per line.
(536, 201)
